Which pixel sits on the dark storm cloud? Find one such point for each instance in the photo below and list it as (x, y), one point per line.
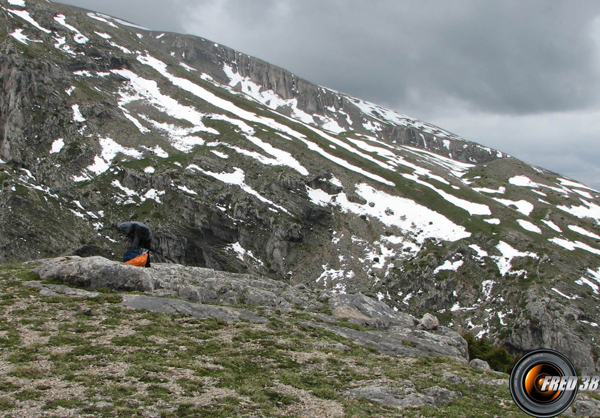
(510, 57)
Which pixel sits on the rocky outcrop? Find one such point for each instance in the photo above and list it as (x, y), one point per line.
(196, 310)
(194, 284)
(403, 394)
(200, 289)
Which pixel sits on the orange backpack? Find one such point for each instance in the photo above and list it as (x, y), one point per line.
(139, 261)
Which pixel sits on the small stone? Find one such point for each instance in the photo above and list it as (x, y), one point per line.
(429, 322)
(479, 364)
(440, 395)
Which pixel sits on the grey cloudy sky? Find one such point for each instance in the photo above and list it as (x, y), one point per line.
(522, 77)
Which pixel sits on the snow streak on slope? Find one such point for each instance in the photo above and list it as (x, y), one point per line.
(211, 98)
(522, 206)
(572, 246)
(472, 208)
(583, 231)
(143, 89)
(23, 14)
(587, 210)
(227, 106)
(237, 178)
(110, 149)
(529, 226)
(504, 261)
(405, 214)
(20, 36)
(79, 37)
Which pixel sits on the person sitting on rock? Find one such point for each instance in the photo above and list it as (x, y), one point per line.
(140, 240)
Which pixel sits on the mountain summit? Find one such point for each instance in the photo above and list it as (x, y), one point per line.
(242, 166)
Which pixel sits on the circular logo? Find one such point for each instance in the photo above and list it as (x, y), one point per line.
(543, 383)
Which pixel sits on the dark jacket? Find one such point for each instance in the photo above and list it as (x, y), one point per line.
(139, 235)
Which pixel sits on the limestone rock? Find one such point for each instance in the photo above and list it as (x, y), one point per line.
(479, 364)
(197, 310)
(392, 333)
(403, 395)
(429, 322)
(364, 310)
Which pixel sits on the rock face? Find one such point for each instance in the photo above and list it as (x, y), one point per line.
(238, 165)
(390, 332)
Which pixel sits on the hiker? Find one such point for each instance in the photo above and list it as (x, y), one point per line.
(140, 240)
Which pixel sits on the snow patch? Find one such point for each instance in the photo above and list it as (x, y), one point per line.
(343, 163)
(588, 210)
(522, 206)
(220, 154)
(24, 14)
(572, 246)
(187, 67)
(582, 231)
(79, 37)
(585, 281)
(563, 295)
(110, 149)
(472, 208)
(552, 225)
(101, 19)
(103, 35)
(158, 151)
(20, 36)
(185, 189)
(522, 181)
(480, 251)
(570, 183)
(501, 190)
(77, 116)
(242, 253)
(143, 89)
(57, 146)
(405, 214)
(449, 265)
(529, 226)
(281, 158)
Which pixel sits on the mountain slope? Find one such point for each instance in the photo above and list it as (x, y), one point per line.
(239, 165)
